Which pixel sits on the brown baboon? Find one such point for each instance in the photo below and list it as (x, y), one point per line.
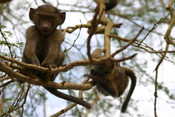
(112, 79)
(43, 45)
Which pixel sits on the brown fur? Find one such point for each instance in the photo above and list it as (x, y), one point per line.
(43, 46)
(112, 79)
(110, 4)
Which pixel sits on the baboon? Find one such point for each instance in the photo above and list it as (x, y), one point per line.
(43, 45)
(112, 79)
(110, 4)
